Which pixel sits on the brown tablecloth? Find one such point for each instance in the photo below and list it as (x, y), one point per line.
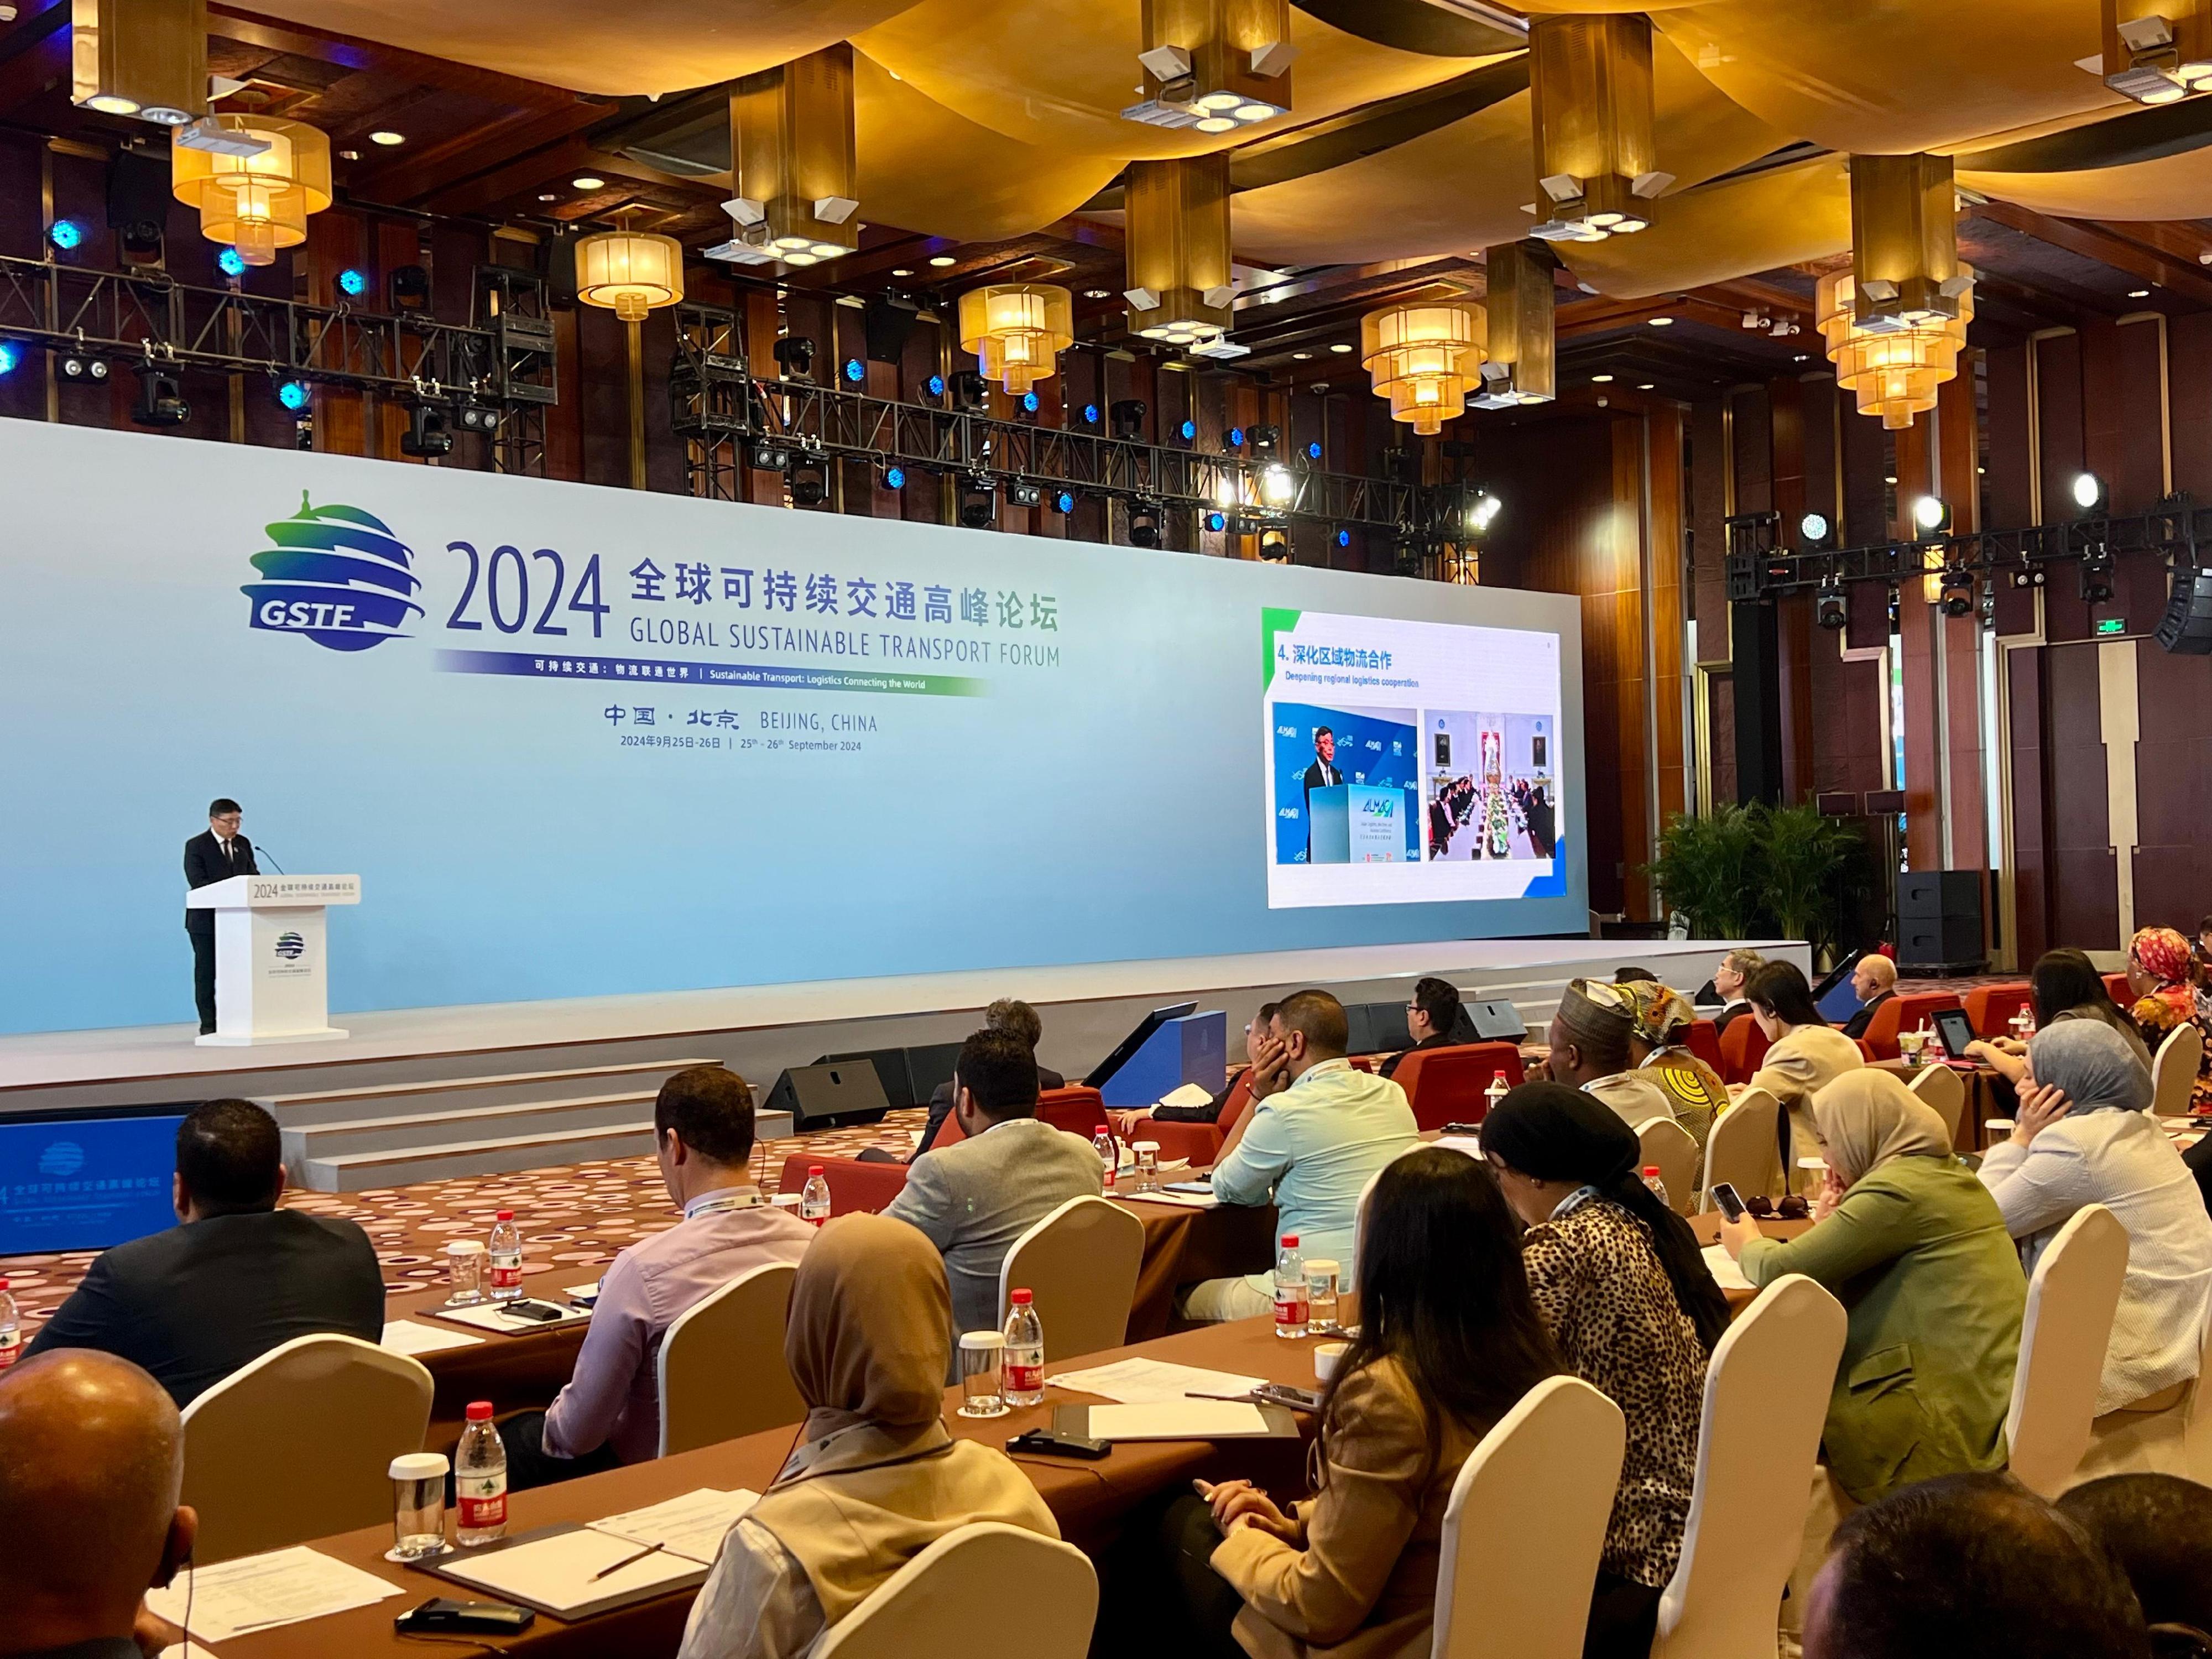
(1183, 1245)
(1088, 1499)
(1988, 1096)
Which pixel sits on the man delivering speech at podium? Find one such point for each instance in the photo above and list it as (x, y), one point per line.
(217, 853)
(1320, 776)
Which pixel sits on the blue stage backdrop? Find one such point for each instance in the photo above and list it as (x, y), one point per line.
(581, 741)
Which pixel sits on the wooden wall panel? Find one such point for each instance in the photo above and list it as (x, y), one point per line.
(1663, 437)
(2173, 790)
(2083, 875)
(1710, 462)
(2031, 806)
(2189, 380)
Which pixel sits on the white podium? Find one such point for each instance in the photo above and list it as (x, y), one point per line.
(269, 982)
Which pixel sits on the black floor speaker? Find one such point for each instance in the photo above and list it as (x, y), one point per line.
(835, 1096)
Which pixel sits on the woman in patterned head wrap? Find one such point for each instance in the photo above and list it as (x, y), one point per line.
(2169, 993)
(1661, 1017)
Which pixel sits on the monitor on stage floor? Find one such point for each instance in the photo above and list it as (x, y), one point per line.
(86, 1180)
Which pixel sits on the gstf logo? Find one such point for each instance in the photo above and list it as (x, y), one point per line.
(337, 575)
(290, 946)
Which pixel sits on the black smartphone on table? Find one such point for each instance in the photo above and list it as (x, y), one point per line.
(1732, 1205)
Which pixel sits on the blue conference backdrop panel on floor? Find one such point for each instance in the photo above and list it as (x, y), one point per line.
(582, 741)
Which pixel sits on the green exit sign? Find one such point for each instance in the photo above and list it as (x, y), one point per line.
(2110, 626)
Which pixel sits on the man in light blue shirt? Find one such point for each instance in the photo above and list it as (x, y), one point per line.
(1318, 1131)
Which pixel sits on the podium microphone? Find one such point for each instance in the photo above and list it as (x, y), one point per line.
(260, 851)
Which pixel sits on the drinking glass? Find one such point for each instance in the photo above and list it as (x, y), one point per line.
(1148, 1165)
(1321, 1294)
(1909, 1044)
(980, 1353)
(464, 1272)
(418, 1505)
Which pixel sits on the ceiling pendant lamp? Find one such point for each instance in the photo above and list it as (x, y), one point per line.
(1520, 367)
(1017, 331)
(1589, 86)
(793, 156)
(1215, 66)
(1177, 249)
(1425, 357)
(2157, 51)
(1895, 323)
(629, 272)
(1892, 372)
(259, 202)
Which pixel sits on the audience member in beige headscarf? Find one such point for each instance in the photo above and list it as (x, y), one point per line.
(876, 1478)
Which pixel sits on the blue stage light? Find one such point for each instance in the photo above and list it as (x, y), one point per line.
(1313, 451)
(230, 261)
(65, 234)
(353, 283)
(293, 395)
(11, 355)
(1344, 539)
(1216, 522)
(1188, 429)
(1237, 437)
(1029, 402)
(895, 477)
(1065, 501)
(937, 386)
(1090, 414)
(854, 372)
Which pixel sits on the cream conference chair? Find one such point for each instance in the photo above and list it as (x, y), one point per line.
(2070, 1303)
(720, 1368)
(950, 1601)
(1741, 1149)
(2174, 1070)
(1080, 1264)
(1674, 1149)
(1942, 1088)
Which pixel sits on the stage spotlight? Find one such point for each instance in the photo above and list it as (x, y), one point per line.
(2097, 576)
(895, 476)
(970, 391)
(1128, 418)
(428, 432)
(1090, 414)
(770, 456)
(810, 483)
(66, 235)
(1265, 439)
(1954, 596)
(161, 397)
(1830, 608)
(1187, 431)
(81, 370)
(293, 395)
(1022, 492)
(11, 355)
(1063, 502)
(935, 385)
(1312, 451)
(2089, 493)
(1931, 516)
(1029, 402)
(1233, 438)
(794, 354)
(480, 418)
(1143, 522)
(854, 372)
(1482, 510)
(353, 283)
(979, 502)
(1814, 531)
(230, 261)
(410, 287)
(1344, 538)
(1216, 522)
(1275, 545)
(1277, 487)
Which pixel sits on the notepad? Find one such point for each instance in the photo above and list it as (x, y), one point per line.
(406, 1336)
(1471, 1145)
(1151, 1382)
(1179, 1419)
(492, 1316)
(692, 1525)
(553, 1571)
(1182, 1200)
(258, 1592)
(1725, 1273)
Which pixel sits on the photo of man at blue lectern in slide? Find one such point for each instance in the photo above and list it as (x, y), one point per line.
(1348, 785)
(1491, 793)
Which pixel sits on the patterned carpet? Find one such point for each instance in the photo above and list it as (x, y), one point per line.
(577, 1215)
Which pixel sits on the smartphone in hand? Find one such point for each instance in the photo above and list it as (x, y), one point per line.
(1732, 1206)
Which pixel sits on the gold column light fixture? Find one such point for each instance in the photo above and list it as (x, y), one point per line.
(1590, 85)
(2158, 50)
(1895, 323)
(257, 203)
(1017, 331)
(1425, 357)
(1521, 364)
(142, 57)
(1215, 66)
(791, 155)
(1180, 283)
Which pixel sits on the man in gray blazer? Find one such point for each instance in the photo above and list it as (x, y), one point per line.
(975, 1197)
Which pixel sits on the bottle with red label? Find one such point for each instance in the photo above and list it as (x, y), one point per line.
(814, 1198)
(1291, 1305)
(1022, 1377)
(503, 1258)
(11, 1331)
(480, 1479)
(1110, 1157)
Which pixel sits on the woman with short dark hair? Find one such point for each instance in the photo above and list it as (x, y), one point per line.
(1804, 1055)
(2065, 984)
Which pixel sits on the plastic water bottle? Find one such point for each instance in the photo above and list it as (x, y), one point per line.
(1109, 1156)
(503, 1254)
(1291, 1303)
(1022, 1373)
(1495, 1093)
(814, 1198)
(11, 1333)
(1651, 1180)
(480, 1479)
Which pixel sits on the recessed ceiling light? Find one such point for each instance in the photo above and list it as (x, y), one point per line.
(587, 182)
(1644, 386)
(349, 156)
(1891, 479)
(1341, 347)
(548, 195)
(1098, 293)
(1300, 356)
(1600, 380)
(942, 260)
(1799, 358)
(385, 135)
(902, 271)
(2139, 294)
(1661, 322)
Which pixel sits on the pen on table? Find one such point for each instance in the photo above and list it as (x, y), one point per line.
(615, 1566)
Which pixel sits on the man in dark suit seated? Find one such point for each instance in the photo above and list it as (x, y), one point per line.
(217, 854)
(238, 1278)
(1006, 1014)
(1727, 985)
(1874, 983)
(1433, 1019)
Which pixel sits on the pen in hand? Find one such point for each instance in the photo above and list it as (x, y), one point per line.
(628, 1560)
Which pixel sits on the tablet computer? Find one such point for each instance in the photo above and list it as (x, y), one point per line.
(1955, 1030)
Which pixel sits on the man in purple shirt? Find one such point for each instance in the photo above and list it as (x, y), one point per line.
(609, 1413)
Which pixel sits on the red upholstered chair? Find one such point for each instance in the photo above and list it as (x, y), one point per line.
(852, 1185)
(1903, 1013)
(1705, 1041)
(1866, 1050)
(2117, 988)
(1744, 1045)
(1079, 1110)
(1447, 1085)
(1991, 1007)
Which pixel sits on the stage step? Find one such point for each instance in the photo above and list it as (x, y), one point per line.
(396, 1099)
(353, 1172)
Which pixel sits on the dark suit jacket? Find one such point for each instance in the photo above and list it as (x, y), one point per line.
(204, 864)
(1856, 1026)
(940, 1106)
(1445, 1040)
(194, 1304)
(1734, 1012)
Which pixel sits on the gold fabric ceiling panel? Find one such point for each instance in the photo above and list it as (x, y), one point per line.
(1890, 76)
(1726, 230)
(1059, 73)
(1463, 185)
(635, 48)
(2171, 187)
(925, 169)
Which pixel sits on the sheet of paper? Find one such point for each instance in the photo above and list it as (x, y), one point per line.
(691, 1525)
(406, 1336)
(186, 1650)
(1181, 1419)
(592, 1289)
(1725, 1273)
(490, 1316)
(256, 1591)
(1185, 1200)
(1151, 1382)
(1471, 1145)
(1186, 1094)
(556, 1573)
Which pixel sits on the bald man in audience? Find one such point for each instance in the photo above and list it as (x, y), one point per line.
(92, 1456)
(1874, 983)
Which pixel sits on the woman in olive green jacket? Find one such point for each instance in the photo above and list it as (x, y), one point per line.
(1917, 1250)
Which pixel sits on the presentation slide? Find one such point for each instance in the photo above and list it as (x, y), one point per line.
(1411, 761)
(586, 742)
(84, 1182)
